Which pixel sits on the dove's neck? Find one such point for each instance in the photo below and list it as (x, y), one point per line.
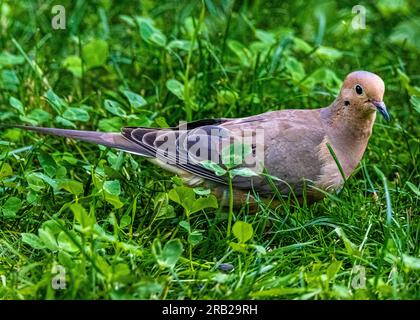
(349, 121)
(348, 133)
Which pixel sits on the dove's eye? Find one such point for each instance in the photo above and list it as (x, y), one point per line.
(359, 89)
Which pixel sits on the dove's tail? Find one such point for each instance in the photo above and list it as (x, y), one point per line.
(113, 140)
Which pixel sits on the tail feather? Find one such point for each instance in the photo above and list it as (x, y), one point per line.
(113, 139)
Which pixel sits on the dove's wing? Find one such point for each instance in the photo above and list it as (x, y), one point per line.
(184, 147)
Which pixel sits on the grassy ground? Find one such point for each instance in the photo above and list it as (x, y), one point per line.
(85, 222)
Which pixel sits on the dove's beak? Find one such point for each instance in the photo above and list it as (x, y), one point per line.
(381, 107)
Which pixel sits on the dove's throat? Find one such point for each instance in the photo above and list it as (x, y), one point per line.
(348, 134)
(349, 122)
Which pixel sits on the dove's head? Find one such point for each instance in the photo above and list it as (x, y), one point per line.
(363, 92)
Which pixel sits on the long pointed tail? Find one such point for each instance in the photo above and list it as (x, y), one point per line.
(113, 140)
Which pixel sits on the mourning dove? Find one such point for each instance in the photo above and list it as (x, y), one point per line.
(289, 147)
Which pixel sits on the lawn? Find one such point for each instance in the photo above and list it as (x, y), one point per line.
(79, 221)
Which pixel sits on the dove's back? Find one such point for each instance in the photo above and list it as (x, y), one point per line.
(294, 149)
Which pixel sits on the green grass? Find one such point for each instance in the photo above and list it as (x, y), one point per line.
(110, 218)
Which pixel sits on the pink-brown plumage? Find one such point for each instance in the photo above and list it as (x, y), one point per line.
(294, 148)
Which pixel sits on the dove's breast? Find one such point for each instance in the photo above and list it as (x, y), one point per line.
(330, 177)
